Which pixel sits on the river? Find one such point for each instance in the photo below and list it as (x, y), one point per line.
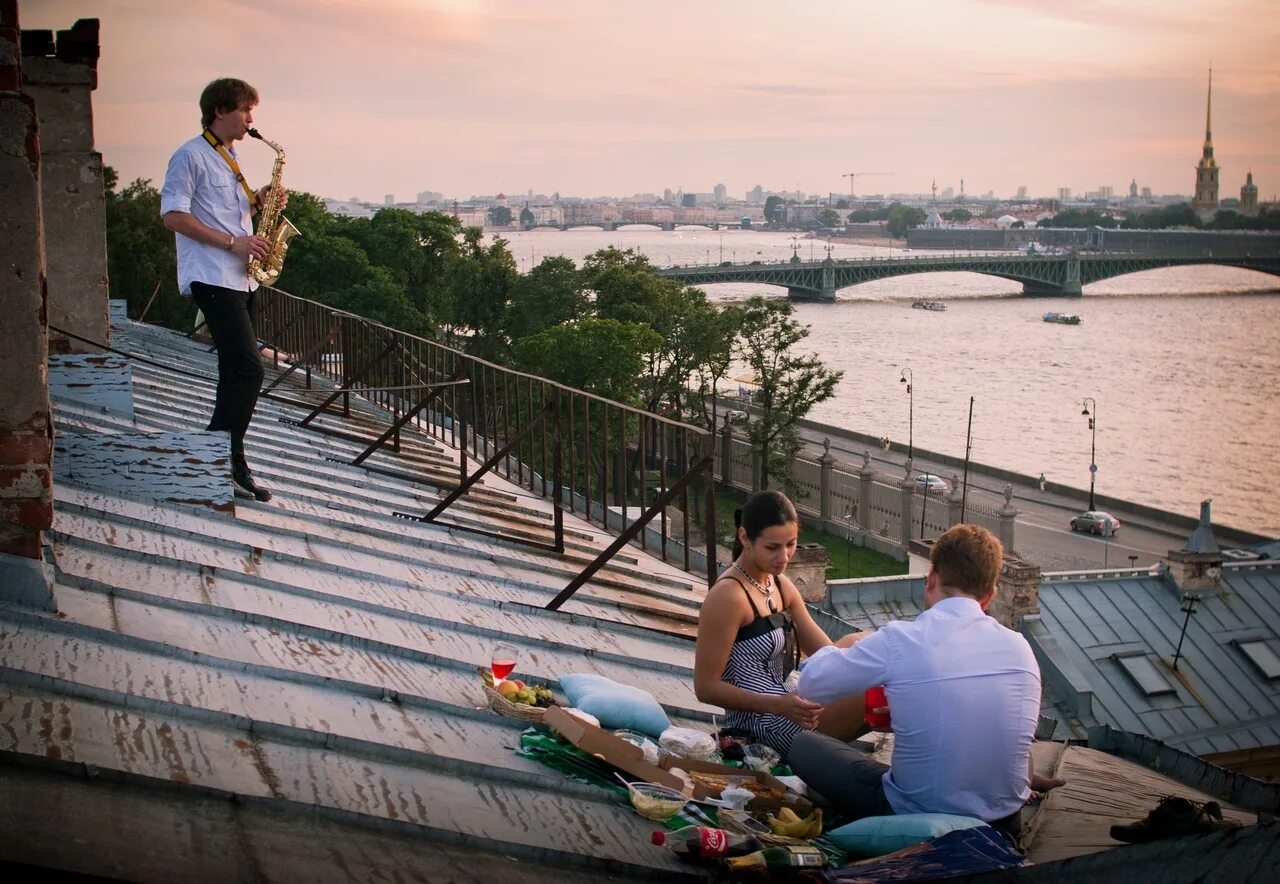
(1183, 363)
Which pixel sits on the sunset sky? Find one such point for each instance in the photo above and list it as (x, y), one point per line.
(591, 98)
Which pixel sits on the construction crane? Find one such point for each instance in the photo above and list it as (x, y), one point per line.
(852, 176)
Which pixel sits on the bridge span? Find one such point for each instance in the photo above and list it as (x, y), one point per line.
(609, 226)
(1039, 274)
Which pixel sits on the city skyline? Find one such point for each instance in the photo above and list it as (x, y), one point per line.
(474, 97)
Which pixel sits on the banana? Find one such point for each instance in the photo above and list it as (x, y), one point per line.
(788, 815)
(815, 823)
(788, 824)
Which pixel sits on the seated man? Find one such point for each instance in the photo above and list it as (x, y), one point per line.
(963, 692)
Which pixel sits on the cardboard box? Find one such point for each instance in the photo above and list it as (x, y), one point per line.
(630, 758)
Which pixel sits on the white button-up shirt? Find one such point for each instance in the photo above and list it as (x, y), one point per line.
(964, 698)
(200, 182)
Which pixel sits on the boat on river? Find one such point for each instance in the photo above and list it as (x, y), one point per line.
(1063, 318)
(929, 305)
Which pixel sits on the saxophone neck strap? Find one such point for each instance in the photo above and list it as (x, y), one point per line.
(233, 165)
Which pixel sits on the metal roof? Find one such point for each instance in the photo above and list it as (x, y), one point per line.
(315, 656)
(1091, 629)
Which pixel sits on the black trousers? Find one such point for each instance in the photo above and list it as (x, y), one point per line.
(240, 370)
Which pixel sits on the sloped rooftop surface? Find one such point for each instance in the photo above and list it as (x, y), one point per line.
(1106, 647)
(315, 656)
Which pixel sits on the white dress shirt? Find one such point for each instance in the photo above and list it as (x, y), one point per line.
(964, 699)
(199, 182)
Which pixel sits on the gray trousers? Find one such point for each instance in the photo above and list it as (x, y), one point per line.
(852, 781)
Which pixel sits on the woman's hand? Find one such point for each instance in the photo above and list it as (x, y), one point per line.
(796, 708)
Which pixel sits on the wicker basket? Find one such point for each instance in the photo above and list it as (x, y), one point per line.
(503, 706)
(743, 823)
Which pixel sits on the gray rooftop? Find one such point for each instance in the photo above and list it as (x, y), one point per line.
(1106, 646)
(314, 656)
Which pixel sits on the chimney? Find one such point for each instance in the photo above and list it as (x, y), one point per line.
(1017, 592)
(1196, 569)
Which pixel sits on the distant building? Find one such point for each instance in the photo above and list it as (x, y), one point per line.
(389, 200)
(1022, 192)
(1249, 196)
(720, 192)
(430, 196)
(1133, 189)
(688, 200)
(1064, 194)
(755, 194)
(1206, 199)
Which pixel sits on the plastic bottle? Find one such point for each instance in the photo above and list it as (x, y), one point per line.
(776, 857)
(704, 842)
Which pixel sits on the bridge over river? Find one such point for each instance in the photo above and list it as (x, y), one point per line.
(1039, 274)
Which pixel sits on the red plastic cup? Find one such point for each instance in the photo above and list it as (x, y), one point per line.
(874, 699)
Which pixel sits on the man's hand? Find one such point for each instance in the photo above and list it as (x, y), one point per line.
(796, 708)
(265, 190)
(1040, 785)
(852, 639)
(248, 247)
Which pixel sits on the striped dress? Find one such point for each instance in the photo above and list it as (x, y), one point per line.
(755, 664)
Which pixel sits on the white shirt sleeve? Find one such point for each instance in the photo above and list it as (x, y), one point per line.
(833, 672)
(179, 183)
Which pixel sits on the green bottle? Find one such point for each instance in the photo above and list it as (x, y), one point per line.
(780, 858)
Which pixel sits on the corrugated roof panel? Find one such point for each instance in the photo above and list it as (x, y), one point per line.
(319, 650)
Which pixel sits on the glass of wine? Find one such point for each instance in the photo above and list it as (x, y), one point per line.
(504, 661)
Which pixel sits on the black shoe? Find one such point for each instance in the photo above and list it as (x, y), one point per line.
(1172, 818)
(243, 485)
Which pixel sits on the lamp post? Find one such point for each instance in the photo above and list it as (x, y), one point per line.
(905, 378)
(1093, 445)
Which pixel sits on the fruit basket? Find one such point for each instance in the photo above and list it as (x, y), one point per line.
(503, 706)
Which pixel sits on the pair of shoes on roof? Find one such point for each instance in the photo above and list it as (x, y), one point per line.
(243, 485)
(1174, 817)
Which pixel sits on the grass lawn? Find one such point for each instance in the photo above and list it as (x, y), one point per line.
(844, 559)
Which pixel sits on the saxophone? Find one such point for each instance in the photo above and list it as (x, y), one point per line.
(272, 224)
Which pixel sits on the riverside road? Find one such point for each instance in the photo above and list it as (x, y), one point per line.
(1043, 533)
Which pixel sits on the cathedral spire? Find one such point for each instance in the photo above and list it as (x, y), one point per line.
(1208, 113)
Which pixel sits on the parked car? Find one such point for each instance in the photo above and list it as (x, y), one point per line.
(932, 484)
(1096, 522)
(735, 416)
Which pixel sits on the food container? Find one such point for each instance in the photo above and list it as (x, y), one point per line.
(655, 802)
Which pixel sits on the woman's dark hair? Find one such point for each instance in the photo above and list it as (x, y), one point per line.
(764, 509)
(225, 94)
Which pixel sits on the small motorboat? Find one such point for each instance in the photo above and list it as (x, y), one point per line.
(929, 305)
(1063, 318)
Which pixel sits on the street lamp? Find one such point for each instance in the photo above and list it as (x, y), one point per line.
(905, 378)
(1093, 445)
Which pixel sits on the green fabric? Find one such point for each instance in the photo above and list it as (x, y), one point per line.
(549, 748)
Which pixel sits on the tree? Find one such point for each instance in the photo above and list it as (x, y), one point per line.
(1180, 215)
(716, 333)
(775, 210)
(842, 204)
(903, 218)
(482, 281)
(829, 218)
(624, 285)
(526, 217)
(789, 384)
(499, 216)
(141, 254)
(548, 295)
(861, 216)
(958, 215)
(601, 356)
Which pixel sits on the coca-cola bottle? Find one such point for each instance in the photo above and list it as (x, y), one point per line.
(704, 842)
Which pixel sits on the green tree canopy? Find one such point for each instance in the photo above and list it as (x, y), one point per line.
(789, 384)
(601, 356)
(141, 254)
(548, 295)
(775, 210)
(958, 215)
(482, 280)
(1180, 215)
(499, 216)
(902, 218)
(526, 216)
(829, 218)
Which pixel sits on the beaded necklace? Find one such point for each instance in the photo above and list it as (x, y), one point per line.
(766, 591)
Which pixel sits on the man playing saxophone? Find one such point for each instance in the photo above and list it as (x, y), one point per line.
(209, 207)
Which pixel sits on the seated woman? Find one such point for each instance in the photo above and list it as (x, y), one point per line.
(752, 630)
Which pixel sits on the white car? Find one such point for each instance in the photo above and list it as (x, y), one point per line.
(1096, 522)
(931, 484)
